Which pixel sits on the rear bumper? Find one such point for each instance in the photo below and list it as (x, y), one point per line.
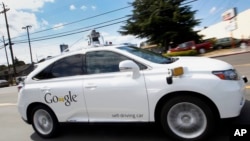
(22, 112)
(26, 121)
(21, 106)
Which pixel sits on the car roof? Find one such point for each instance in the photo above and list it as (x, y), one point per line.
(83, 51)
(80, 51)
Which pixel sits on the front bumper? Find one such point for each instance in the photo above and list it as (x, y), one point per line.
(230, 98)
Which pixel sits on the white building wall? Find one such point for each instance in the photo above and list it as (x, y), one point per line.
(219, 30)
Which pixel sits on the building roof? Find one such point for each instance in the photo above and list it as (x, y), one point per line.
(221, 29)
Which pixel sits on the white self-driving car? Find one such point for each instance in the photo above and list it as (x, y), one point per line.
(186, 95)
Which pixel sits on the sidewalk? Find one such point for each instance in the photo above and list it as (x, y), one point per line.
(226, 52)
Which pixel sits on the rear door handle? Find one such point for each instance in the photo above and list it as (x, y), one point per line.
(45, 89)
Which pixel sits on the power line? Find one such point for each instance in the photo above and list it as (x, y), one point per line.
(76, 42)
(90, 18)
(78, 21)
(66, 32)
(188, 2)
(48, 38)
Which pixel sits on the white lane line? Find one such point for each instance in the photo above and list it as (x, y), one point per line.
(7, 104)
(242, 65)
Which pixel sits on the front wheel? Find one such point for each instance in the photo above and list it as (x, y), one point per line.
(44, 122)
(187, 118)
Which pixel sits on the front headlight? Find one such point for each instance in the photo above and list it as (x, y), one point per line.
(227, 74)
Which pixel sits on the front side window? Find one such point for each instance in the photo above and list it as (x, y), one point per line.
(68, 66)
(103, 62)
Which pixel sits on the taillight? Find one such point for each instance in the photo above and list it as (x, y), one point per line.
(19, 87)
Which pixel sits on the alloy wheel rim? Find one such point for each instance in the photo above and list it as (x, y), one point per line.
(43, 122)
(187, 120)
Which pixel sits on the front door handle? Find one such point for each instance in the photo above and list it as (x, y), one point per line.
(91, 86)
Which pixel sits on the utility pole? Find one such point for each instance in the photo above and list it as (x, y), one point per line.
(27, 28)
(6, 55)
(10, 44)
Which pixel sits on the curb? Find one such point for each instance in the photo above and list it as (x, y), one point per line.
(229, 54)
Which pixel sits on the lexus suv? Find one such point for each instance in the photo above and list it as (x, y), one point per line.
(186, 95)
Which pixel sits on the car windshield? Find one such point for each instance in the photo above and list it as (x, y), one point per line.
(148, 55)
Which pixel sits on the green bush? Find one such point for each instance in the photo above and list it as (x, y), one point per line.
(182, 53)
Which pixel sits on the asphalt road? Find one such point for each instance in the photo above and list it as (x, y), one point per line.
(12, 128)
(242, 64)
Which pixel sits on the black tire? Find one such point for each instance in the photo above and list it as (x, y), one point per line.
(44, 122)
(202, 50)
(242, 45)
(187, 118)
(219, 47)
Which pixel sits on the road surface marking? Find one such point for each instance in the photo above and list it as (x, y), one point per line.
(242, 65)
(7, 104)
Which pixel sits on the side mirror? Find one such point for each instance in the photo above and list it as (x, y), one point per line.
(20, 79)
(245, 79)
(128, 65)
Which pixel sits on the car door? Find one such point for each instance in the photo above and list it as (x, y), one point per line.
(112, 95)
(60, 87)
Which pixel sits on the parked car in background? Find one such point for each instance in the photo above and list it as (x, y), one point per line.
(227, 42)
(4, 83)
(201, 48)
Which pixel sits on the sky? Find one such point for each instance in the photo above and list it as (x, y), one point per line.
(50, 18)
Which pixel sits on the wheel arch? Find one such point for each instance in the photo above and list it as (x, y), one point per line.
(34, 105)
(168, 96)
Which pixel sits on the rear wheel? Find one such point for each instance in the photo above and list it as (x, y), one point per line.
(187, 118)
(44, 122)
(243, 45)
(219, 47)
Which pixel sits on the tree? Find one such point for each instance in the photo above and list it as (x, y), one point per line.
(18, 62)
(3, 67)
(162, 22)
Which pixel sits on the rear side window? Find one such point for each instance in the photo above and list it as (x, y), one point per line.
(68, 66)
